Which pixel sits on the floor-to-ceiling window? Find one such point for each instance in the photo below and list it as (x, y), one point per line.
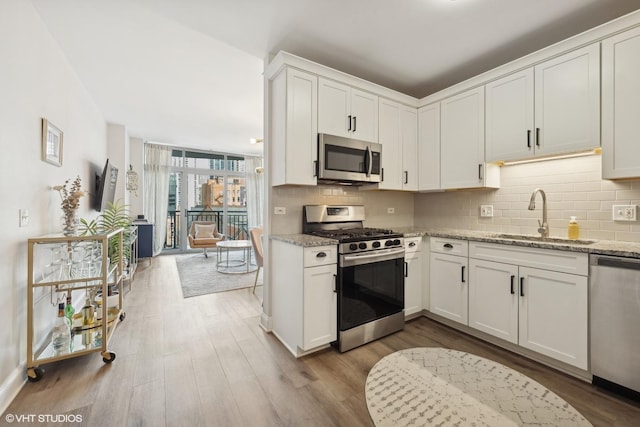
(206, 186)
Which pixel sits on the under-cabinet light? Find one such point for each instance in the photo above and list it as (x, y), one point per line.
(591, 152)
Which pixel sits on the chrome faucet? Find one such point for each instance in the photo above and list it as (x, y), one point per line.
(543, 228)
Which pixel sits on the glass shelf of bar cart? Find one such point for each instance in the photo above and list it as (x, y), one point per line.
(73, 268)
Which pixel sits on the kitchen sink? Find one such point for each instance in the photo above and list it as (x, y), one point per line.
(531, 238)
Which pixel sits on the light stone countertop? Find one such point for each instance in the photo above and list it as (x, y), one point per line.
(304, 240)
(602, 247)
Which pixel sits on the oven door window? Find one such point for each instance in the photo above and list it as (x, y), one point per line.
(370, 291)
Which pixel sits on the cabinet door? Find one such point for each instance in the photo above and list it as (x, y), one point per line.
(509, 117)
(334, 106)
(429, 147)
(294, 133)
(553, 315)
(448, 292)
(493, 298)
(409, 142)
(567, 102)
(389, 137)
(319, 306)
(621, 105)
(413, 283)
(462, 140)
(364, 114)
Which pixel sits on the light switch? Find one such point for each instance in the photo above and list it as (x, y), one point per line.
(24, 217)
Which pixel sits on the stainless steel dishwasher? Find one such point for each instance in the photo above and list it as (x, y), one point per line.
(615, 323)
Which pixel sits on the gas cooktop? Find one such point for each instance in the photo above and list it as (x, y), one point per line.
(356, 234)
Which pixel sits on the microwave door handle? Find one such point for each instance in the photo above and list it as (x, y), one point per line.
(369, 163)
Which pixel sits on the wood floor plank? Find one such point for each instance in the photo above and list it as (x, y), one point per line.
(205, 361)
(182, 400)
(147, 407)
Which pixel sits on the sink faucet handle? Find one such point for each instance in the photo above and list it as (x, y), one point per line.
(539, 224)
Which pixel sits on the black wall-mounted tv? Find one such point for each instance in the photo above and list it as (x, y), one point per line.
(105, 189)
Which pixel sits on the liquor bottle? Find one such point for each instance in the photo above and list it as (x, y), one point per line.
(68, 309)
(88, 312)
(61, 334)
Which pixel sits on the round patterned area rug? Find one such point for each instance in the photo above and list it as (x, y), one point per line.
(441, 387)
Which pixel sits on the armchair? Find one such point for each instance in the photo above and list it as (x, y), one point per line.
(203, 234)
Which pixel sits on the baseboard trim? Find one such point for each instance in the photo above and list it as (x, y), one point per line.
(10, 388)
(265, 322)
(530, 354)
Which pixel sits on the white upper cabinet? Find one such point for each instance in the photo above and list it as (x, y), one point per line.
(409, 139)
(429, 147)
(552, 108)
(621, 105)
(346, 111)
(462, 142)
(389, 137)
(567, 102)
(398, 134)
(294, 123)
(509, 118)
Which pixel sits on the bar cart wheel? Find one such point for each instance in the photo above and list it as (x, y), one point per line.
(108, 356)
(35, 374)
(123, 315)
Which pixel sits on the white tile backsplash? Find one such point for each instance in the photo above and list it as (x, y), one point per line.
(573, 187)
(375, 202)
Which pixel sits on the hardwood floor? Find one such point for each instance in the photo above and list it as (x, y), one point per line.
(204, 361)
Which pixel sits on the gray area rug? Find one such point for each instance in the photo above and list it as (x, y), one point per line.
(198, 275)
(437, 386)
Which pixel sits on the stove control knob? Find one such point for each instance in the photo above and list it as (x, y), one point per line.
(376, 244)
(362, 245)
(353, 246)
(396, 242)
(388, 243)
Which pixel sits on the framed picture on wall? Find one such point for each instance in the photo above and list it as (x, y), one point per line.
(51, 143)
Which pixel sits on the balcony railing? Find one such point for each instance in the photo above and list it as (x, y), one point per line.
(237, 228)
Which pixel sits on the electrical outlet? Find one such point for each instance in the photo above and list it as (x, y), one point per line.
(391, 210)
(624, 212)
(486, 211)
(279, 210)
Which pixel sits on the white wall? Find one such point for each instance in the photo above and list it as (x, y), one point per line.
(118, 152)
(36, 81)
(136, 159)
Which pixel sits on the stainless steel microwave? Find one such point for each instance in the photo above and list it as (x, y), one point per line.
(348, 161)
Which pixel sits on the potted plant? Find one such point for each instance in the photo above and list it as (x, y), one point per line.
(115, 216)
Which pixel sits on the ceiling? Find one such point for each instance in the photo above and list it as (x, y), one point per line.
(188, 72)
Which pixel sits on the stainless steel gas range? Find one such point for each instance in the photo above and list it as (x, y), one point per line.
(370, 276)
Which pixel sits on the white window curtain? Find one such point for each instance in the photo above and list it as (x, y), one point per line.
(254, 181)
(157, 169)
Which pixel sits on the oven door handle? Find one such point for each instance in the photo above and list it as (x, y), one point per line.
(381, 255)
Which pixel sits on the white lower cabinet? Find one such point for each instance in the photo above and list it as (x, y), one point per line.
(493, 298)
(553, 315)
(304, 298)
(320, 309)
(537, 308)
(413, 276)
(448, 287)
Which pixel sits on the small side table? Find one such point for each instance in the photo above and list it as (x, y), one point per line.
(225, 265)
